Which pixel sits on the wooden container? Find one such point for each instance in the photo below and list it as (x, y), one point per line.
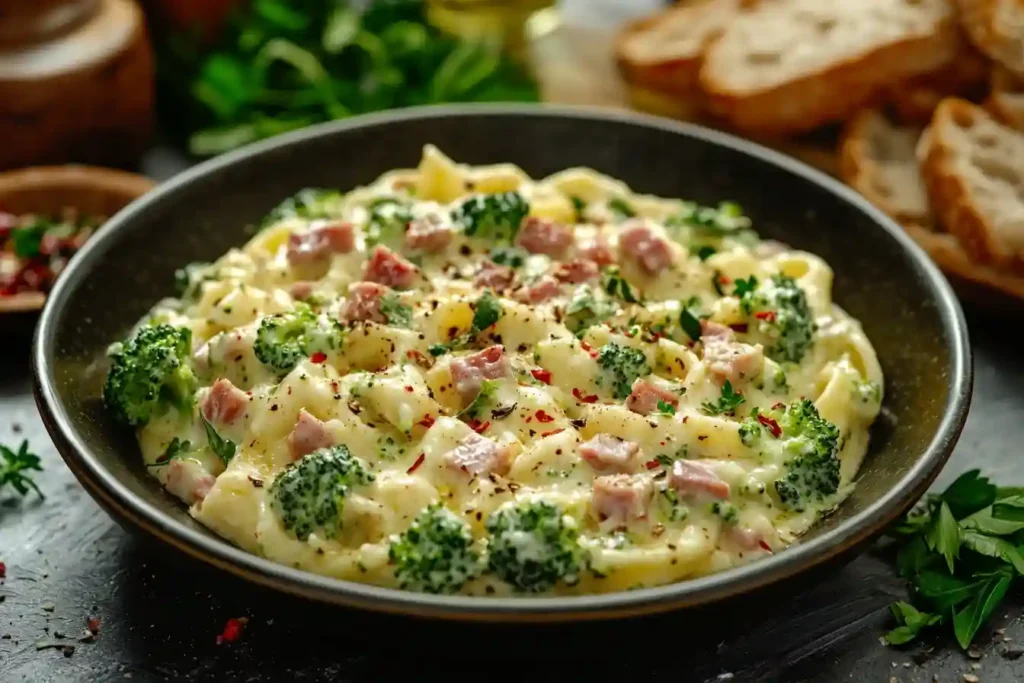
(76, 82)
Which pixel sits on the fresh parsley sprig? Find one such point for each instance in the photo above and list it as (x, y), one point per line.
(13, 468)
(961, 550)
(726, 404)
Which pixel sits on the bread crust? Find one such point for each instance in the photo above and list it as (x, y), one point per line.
(1006, 100)
(950, 192)
(914, 101)
(983, 20)
(945, 250)
(835, 91)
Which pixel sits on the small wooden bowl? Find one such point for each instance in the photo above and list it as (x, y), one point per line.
(49, 189)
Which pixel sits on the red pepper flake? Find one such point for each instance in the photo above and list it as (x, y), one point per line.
(765, 315)
(427, 422)
(409, 389)
(651, 464)
(551, 433)
(779, 406)
(589, 349)
(585, 399)
(543, 417)
(93, 624)
(739, 327)
(416, 465)
(318, 357)
(764, 545)
(724, 279)
(541, 375)
(770, 424)
(232, 630)
(478, 426)
(3, 570)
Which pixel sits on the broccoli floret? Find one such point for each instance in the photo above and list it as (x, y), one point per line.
(622, 366)
(493, 217)
(387, 221)
(533, 546)
(149, 374)
(309, 496)
(696, 223)
(435, 554)
(750, 432)
(811, 446)
(780, 309)
(283, 340)
(486, 312)
(311, 202)
(586, 309)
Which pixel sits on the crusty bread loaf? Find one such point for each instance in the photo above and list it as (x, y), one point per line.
(997, 28)
(973, 167)
(947, 253)
(877, 158)
(792, 65)
(914, 101)
(664, 52)
(1006, 100)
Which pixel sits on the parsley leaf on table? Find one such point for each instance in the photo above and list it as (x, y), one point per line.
(962, 550)
(14, 465)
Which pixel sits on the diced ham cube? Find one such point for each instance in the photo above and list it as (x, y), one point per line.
(363, 303)
(542, 236)
(597, 250)
(470, 371)
(224, 403)
(478, 455)
(302, 289)
(309, 435)
(577, 271)
(188, 480)
(644, 397)
(651, 253)
(426, 235)
(712, 330)
(493, 276)
(607, 453)
(696, 479)
(620, 498)
(388, 268)
(320, 241)
(732, 361)
(545, 288)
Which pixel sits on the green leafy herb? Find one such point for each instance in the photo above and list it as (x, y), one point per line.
(513, 257)
(493, 217)
(745, 286)
(726, 403)
(386, 223)
(621, 208)
(311, 202)
(221, 447)
(487, 312)
(944, 536)
(27, 239)
(579, 206)
(438, 349)
(690, 324)
(706, 252)
(482, 402)
(175, 449)
(13, 468)
(394, 311)
(616, 285)
(910, 621)
(666, 408)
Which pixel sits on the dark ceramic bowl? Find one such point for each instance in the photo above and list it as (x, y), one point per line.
(881, 277)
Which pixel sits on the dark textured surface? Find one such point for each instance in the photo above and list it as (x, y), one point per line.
(160, 615)
(200, 215)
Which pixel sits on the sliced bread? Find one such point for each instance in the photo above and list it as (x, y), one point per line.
(877, 158)
(997, 28)
(914, 101)
(792, 65)
(1006, 100)
(973, 167)
(664, 52)
(947, 253)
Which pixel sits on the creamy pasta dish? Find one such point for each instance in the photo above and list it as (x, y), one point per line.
(462, 380)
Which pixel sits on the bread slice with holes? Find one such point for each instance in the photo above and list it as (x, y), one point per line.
(791, 65)
(664, 52)
(996, 27)
(878, 159)
(1006, 100)
(973, 167)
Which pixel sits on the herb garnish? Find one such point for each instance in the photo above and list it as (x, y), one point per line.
(726, 403)
(14, 465)
(175, 449)
(488, 312)
(394, 311)
(221, 447)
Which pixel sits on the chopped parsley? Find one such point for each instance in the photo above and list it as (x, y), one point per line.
(513, 257)
(622, 366)
(221, 447)
(394, 311)
(621, 208)
(175, 449)
(666, 408)
(726, 403)
(488, 312)
(14, 465)
(690, 324)
(744, 287)
(617, 286)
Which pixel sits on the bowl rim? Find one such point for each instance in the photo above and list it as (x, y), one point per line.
(204, 545)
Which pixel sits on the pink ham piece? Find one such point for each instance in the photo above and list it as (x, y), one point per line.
(224, 403)
(493, 276)
(320, 241)
(542, 236)
(620, 498)
(388, 268)
(363, 303)
(309, 435)
(607, 453)
(424, 235)
(731, 361)
(748, 539)
(545, 288)
(694, 478)
(302, 289)
(477, 455)
(188, 480)
(652, 254)
(577, 271)
(597, 250)
(712, 330)
(644, 397)
(470, 371)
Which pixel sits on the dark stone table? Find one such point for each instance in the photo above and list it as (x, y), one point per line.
(160, 615)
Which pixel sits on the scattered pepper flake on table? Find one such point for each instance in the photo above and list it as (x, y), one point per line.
(232, 630)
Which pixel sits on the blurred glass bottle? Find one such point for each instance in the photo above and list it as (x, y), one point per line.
(509, 23)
